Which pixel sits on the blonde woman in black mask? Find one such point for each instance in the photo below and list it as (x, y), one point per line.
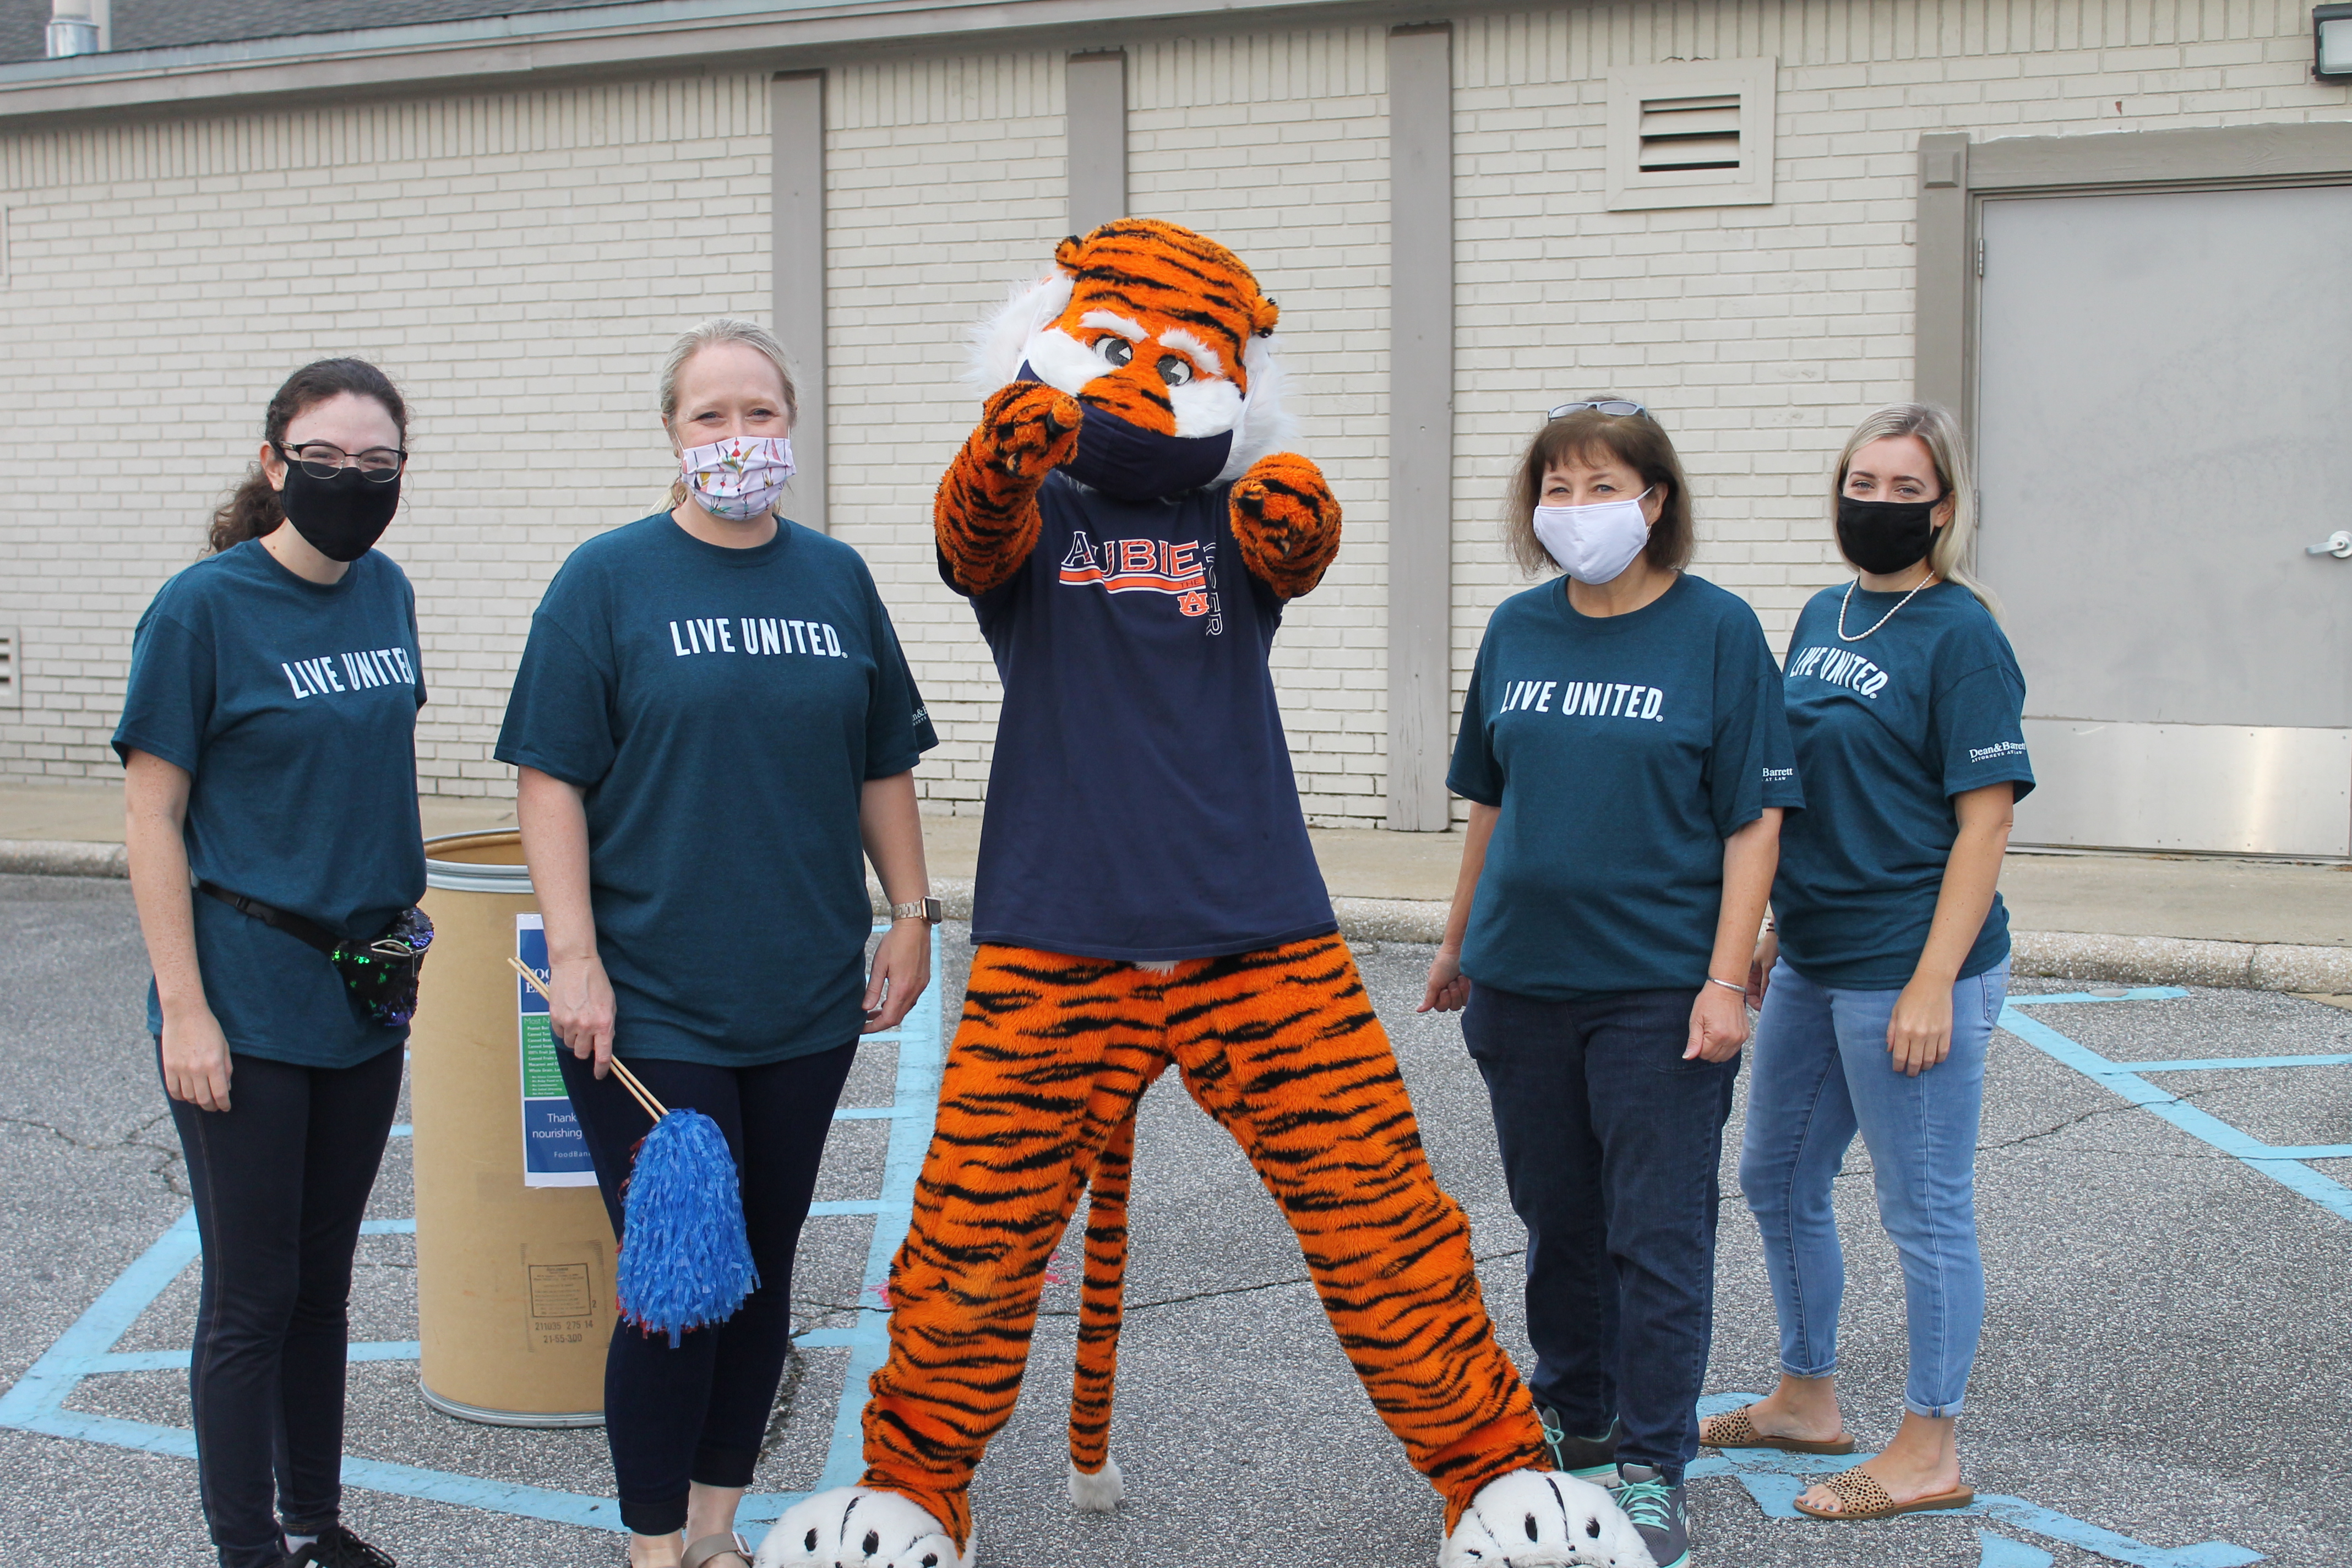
(1891, 962)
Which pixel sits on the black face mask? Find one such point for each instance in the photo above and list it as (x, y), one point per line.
(342, 517)
(1127, 462)
(1884, 536)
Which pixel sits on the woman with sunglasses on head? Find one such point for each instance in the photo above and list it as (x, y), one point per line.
(268, 746)
(1882, 984)
(1626, 756)
(713, 725)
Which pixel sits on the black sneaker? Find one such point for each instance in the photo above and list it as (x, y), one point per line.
(1590, 1459)
(339, 1548)
(1657, 1511)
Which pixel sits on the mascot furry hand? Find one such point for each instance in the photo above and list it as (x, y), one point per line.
(1129, 529)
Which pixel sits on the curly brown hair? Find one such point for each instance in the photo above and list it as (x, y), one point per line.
(252, 510)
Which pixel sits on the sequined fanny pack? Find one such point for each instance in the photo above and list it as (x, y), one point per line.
(381, 971)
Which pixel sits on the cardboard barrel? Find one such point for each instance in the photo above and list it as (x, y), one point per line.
(514, 1255)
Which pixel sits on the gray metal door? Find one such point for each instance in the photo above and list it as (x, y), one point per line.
(2165, 428)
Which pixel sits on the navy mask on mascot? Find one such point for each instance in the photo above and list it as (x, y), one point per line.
(1128, 463)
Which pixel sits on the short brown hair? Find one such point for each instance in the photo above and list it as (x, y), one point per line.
(1639, 442)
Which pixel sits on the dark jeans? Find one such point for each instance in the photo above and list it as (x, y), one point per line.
(281, 1179)
(698, 1411)
(1612, 1145)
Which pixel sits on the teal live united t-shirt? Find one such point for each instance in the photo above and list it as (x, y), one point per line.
(1620, 751)
(292, 706)
(1890, 727)
(722, 710)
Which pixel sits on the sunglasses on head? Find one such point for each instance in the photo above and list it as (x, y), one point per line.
(1615, 405)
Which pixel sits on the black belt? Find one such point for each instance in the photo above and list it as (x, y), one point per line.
(293, 925)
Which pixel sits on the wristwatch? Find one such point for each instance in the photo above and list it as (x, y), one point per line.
(927, 910)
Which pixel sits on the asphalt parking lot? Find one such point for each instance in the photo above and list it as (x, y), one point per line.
(2164, 1379)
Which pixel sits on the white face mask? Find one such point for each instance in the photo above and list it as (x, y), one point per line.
(1594, 544)
(738, 479)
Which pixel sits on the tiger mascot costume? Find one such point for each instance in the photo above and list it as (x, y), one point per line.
(1128, 530)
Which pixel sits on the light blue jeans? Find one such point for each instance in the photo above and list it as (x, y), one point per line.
(1823, 1071)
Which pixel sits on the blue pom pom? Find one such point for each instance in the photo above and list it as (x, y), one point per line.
(685, 1262)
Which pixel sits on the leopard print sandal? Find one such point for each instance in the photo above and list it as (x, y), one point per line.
(1859, 1496)
(1736, 1430)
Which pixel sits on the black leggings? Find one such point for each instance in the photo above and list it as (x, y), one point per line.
(698, 1412)
(281, 1179)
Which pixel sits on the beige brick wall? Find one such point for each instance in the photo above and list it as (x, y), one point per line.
(519, 261)
(945, 183)
(1277, 144)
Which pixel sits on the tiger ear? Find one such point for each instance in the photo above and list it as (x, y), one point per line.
(1065, 255)
(1263, 314)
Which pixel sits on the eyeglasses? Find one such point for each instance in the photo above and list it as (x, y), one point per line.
(1608, 406)
(321, 460)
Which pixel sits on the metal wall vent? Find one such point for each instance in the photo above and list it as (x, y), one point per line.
(12, 685)
(1691, 133)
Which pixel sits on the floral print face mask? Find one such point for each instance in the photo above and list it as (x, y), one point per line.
(738, 479)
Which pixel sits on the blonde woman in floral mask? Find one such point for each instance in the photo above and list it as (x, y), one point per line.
(712, 719)
(1881, 987)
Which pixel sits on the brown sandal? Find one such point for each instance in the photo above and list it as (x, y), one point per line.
(1859, 1496)
(1734, 1429)
(712, 1551)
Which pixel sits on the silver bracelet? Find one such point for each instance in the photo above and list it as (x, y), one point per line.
(1726, 984)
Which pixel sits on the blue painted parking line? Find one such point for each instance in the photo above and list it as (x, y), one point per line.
(2284, 1165)
(2231, 1064)
(37, 1400)
(1776, 1480)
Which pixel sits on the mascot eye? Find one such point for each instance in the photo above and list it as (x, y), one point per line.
(1175, 369)
(1115, 349)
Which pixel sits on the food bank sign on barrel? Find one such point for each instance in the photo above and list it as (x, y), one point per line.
(554, 1154)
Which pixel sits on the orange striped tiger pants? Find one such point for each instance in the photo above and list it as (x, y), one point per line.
(1282, 1048)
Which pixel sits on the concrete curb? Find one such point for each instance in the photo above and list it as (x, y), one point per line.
(2067, 955)
(2183, 960)
(36, 857)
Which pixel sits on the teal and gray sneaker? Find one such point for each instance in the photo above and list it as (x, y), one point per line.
(1657, 1511)
(1590, 1459)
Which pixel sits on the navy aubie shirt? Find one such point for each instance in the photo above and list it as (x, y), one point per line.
(1889, 727)
(1620, 752)
(292, 706)
(1141, 801)
(720, 712)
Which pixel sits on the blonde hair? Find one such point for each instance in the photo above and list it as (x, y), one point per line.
(693, 340)
(1939, 432)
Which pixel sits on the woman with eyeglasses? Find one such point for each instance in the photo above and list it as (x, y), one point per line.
(1626, 757)
(268, 743)
(1882, 984)
(713, 727)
